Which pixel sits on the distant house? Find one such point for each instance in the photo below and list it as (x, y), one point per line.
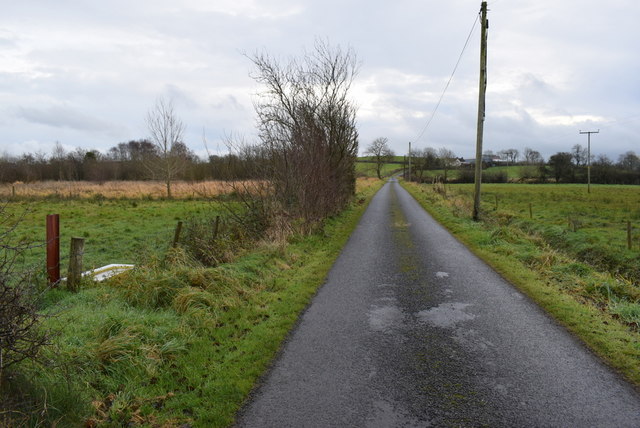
(487, 161)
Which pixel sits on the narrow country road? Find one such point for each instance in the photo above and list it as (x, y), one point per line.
(412, 330)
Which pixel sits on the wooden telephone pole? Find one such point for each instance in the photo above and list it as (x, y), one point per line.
(589, 157)
(481, 108)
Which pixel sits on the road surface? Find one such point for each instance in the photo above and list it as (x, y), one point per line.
(412, 330)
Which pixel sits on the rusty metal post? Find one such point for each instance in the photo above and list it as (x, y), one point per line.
(53, 248)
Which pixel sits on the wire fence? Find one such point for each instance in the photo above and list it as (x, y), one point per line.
(107, 239)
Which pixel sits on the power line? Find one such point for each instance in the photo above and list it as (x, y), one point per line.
(433, 113)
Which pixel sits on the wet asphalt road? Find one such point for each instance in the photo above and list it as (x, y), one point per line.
(412, 330)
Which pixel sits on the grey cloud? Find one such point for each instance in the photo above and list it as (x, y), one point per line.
(65, 117)
(113, 58)
(179, 96)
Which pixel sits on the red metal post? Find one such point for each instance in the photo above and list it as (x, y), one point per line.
(53, 248)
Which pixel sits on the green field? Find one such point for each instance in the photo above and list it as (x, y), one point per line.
(115, 231)
(599, 217)
(367, 169)
(171, 343)
(565, 248)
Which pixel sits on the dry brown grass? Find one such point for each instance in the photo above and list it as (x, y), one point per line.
(365, 182)
(134, 189)
(115, 189)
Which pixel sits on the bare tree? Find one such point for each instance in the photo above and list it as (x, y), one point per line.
(532, 157)
(447, 160)
(381, 153)
(510, 155)
(579, 155)
(423, 159)
(307, 126)
(166, 131)
(629, 161)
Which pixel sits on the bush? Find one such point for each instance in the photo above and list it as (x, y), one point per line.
(20, 336)
(467, 175)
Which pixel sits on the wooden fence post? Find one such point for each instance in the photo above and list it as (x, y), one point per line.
(74, 275)
(176, 236)
(215, 227)
(53, 248)
(530, 211)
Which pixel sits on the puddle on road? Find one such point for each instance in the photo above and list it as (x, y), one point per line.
(445, 315)
(473, 339)
(385, 318)
(389, 414)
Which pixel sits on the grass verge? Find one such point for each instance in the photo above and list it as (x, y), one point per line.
(599, 307)
(176, 344)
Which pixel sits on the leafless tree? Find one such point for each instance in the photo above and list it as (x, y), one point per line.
(510, 155)
(579, 155)
(307, 125)
(629, 161)
(532, 157)
(447, 160)
(381, 153)
(422, 160)
(166, 131)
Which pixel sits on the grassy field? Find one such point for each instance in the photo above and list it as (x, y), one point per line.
(115, 230)
(367, 169)
(568, 253)
(173, 343)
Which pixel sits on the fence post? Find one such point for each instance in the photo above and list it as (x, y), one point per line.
(74, 275)
(176, 236)
(53, 248)
(215, 227)
(530, 211)
(13, 191)
(496, 202)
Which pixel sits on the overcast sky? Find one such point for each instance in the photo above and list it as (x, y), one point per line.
(85, 73)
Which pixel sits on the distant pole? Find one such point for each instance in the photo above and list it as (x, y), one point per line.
(481, 109)
(409, 160)
(589, 157)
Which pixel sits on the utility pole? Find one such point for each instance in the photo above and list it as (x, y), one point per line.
(409, 160)
(589, 157)
(481, 108)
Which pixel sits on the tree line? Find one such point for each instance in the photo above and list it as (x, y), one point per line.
(132, 160)
(562, 167)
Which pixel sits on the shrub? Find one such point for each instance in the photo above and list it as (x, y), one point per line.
(20, 335)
